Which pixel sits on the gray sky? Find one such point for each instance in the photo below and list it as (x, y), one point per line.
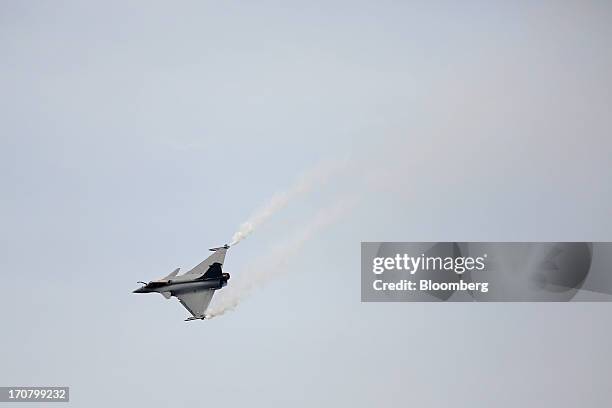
(134, 137)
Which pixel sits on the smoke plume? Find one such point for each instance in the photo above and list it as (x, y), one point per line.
(278, 259)
(309, 180)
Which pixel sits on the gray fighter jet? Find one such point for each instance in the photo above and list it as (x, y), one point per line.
(195, 288)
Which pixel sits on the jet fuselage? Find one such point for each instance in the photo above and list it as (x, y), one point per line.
(180, 286)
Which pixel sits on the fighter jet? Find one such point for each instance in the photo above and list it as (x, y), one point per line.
(195, 288)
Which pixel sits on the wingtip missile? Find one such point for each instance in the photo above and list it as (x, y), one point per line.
(226, 246)
(195, 318)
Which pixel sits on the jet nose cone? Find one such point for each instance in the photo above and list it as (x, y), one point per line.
(139, 290)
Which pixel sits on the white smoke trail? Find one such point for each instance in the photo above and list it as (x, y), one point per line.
(277, 259)
(309, 180)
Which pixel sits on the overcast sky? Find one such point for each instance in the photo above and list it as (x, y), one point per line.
(135, 136)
